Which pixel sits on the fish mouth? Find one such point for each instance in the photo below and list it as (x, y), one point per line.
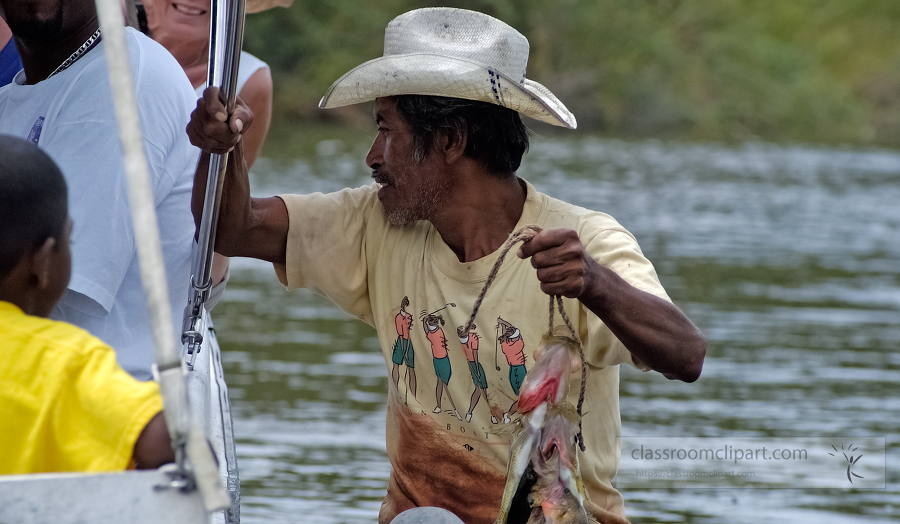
(564, 514)
(190, 11)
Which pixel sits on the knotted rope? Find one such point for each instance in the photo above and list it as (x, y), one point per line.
(525, 234)
(562, 312)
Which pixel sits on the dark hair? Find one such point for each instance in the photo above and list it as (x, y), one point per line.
(495, 135)
(33, 200)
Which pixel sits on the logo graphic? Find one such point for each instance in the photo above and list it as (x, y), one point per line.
(851, 460)
(35, 135)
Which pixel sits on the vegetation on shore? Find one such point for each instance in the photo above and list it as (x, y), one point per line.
(824, 71)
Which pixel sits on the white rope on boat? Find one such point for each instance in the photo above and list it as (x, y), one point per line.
(168, 360)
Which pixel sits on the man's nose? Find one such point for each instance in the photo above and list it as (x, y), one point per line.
(374, 157)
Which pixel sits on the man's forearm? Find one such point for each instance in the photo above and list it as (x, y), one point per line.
(653, 330)
(266, 236)
(247, 227)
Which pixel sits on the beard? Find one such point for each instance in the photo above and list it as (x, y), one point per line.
(428, 202)
(426, 206)
(33, 22)
(429, 197)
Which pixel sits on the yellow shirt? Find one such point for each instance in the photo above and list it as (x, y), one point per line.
(65, 404)
(340, 245)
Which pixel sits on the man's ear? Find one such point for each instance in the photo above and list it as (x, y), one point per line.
(453, 145)
(41, 262)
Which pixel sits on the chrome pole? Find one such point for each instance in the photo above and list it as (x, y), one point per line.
(226, 37)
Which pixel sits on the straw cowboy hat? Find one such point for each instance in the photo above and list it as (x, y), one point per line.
(453, 53)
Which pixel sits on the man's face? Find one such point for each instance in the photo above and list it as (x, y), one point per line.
(410, 191)
(33, 19)
(45, 19)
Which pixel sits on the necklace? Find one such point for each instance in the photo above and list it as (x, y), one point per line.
(89, 43)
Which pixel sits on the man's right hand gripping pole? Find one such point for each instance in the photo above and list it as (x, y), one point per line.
(247, 227)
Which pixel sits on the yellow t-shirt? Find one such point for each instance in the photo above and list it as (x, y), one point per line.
(65, 404)
(340, 245)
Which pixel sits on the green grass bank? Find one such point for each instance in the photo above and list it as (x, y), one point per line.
(819, 71)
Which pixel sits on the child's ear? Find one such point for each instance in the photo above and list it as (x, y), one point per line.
(41, 263)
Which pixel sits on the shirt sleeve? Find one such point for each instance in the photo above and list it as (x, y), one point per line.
(326, 246)
(101, 411)
(618, 250)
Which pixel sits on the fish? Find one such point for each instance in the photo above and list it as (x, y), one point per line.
(543, 479)
(519, 472)
(559, 490)
(543, 483)
(558, 431)
(555, 502)
(548, 380)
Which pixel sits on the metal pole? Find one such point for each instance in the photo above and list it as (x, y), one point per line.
(226, 37)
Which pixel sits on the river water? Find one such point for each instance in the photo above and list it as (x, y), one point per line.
(786, 257)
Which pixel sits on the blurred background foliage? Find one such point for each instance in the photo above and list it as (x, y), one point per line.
(825, 71)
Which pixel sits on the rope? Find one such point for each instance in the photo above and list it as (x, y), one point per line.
(562, 312)
(525, 234)
(552, 311)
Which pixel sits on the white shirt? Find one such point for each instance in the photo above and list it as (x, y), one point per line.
(71, 117)
(249, 65)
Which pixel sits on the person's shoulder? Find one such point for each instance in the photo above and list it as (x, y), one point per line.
(251, 62)
(351, 198)
(148, 50)
(60, 340)
(153, 65)
(559, 213)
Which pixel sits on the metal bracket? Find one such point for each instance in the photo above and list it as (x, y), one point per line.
(194, 322)
(179, 476)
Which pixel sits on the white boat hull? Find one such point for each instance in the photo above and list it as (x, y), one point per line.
(209, 401)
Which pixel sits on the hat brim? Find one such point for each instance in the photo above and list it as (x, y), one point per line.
(438, 75)
(256, 6)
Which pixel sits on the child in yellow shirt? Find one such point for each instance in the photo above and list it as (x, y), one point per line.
(65, 404)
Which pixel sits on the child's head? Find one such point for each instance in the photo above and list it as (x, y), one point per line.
(35, 261)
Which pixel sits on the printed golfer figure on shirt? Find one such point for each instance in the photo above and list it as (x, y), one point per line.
(432, 323)
(469, 342)
(514, 350)
(403, 350)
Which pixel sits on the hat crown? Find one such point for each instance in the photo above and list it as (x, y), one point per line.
(451, 53)
(461, 34)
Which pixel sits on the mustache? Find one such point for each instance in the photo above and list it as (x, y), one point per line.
(381, 175)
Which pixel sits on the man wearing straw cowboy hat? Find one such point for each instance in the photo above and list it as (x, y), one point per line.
(449, 93)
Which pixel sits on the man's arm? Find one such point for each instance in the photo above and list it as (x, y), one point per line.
(653, 330)
(247, 227)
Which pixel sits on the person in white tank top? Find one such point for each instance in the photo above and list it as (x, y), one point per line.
(183, 29)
